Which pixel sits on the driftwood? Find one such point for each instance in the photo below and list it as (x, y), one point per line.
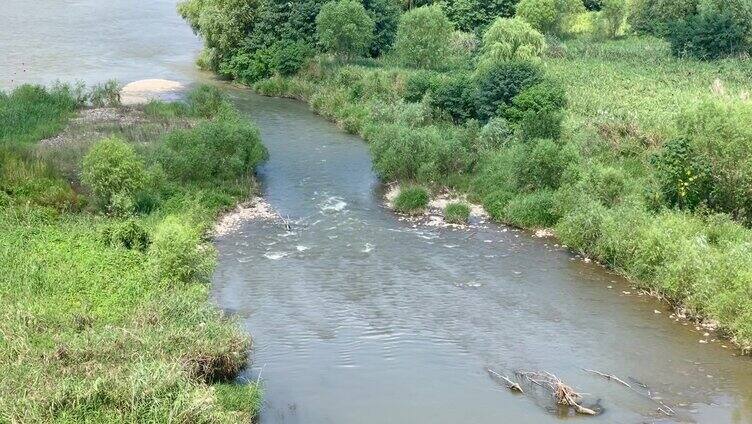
(608, 377)
(511, 385)
(562, 394)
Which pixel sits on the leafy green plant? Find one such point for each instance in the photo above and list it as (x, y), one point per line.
(456, 96)
(423, 37)
(495, 134)
(206, 101)
(212, 152)
(470, 15)
(456, 213)
(419, 83)
(345, 28)
(289, 57)
(684, 176)
(128, 234)
(709, 36)
(385, 15)
(498, 85)
(549, 16)
(510, 39)
(537, 111)
(411, 200)
(176, 254)
(611, 17)
(106, 94)
(113, 171)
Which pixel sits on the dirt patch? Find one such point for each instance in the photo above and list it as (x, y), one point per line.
(256, 209)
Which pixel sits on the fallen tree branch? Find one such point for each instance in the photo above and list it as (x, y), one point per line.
(562, 394)
(511, 385)
(608, 377)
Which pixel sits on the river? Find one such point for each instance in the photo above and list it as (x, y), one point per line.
(359, 317)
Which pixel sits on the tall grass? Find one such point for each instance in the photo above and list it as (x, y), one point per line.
(107, 319)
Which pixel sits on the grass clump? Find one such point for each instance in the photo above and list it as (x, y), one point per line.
(411, 200)
(456, 213)
(112, 313)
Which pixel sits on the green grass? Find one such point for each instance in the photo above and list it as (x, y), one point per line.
(635, 80)
(95, 328)
(411, 200)
(456, 213)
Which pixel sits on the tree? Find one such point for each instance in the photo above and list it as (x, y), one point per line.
(469, 15)
(423, 37)
(549, 16)
(510, 39)
(385, 15)
(345, 28)
(611, 17)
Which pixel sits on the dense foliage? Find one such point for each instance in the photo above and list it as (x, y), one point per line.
(344, 27)
(423, 38)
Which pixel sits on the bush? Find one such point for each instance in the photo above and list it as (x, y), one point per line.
(30, 112)
(542, 165)
(128, 234)
(611, 17)
(495, 134)
(496, 203)
(385, 15)
(456, 213)
(534, 210)
(420, 82)
(176, 254)
(423, 37)
(470, 15)
(345, 28)
(708, 36)
(510, 39)
(206, 101)
(549, 16)
(113, 171)
(498, 85)
(537, 111)
(654, 16)
(289, 57)
(411, 200)
(720, 136)
(684, 176)
(457, 96)
(213, 152)
(424, 154)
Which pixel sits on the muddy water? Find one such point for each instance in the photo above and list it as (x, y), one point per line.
(361, 318)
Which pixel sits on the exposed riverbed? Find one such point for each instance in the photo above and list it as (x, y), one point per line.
(359, 317)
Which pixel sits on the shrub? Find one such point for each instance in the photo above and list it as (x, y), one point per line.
(611, 17)
(456, 213)
(720, 136)
(537, 110)
(166, 110)
(496, 203)
(411, 200)
(113, 171)
(593, 5)
(249, 67)
(30, 112)
(549, 16)
(206, 101)
(498, 85)
(511, 39)
(495, 134)
(289, 57)
(457, 96)
(533, 210)
(176, 254)
(418, 83)
(684, 176)
(215, 151)
(469, 15)
(423, 37)
(128, 234)
(423, 154)
(345, 28)
(385, 15)
(708, 36)
(542, 165)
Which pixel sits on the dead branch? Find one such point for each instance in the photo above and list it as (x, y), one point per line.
(511, 385)
(562, 394)
(608, 377)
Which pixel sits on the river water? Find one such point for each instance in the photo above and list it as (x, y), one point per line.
(359, 317)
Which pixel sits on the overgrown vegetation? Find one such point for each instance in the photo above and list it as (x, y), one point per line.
(104, 262)
(634, 148)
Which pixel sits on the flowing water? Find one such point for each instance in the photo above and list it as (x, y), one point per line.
(359, 317)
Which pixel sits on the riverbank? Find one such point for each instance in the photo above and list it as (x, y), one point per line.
(597, 186)
(105, 258)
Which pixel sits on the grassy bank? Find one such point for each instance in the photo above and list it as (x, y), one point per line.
(600, 184)
(105, 264)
